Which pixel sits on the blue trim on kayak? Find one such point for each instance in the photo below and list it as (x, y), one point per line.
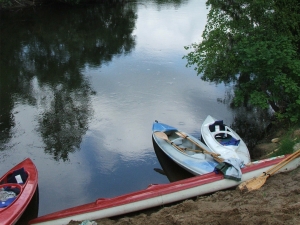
(161, 127)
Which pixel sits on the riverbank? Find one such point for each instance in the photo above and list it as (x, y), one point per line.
(276, 202)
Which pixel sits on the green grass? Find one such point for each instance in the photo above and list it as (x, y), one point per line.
(287, 143)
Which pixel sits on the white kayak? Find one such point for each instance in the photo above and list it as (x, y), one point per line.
(221, 139)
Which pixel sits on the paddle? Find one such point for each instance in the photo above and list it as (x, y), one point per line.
(162, 135)
(257, 182)
(193, 150)
(165, 137)
(214, 155)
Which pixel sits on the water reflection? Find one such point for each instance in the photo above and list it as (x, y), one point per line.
(32, 209)
(251, 124)
(169, 3)
(41, 65)
(81, 87)
(169, 167)
(65, 121)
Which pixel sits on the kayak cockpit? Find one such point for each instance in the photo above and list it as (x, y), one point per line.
(11, 186)
(223, 134)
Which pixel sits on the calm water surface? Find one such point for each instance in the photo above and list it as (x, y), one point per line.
(80, 89)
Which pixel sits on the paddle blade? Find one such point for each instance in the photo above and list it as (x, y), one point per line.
(253, 184)
(161, 135)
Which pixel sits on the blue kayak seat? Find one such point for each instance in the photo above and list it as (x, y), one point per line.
(230, 141)
(8, 193)
(7, 202)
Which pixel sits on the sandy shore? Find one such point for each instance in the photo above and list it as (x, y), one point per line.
(276, 202)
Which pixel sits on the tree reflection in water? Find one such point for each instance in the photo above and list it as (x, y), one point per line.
(65, 121)
(42, 66)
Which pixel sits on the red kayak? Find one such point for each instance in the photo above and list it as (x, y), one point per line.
(17, 188)
(160, 194)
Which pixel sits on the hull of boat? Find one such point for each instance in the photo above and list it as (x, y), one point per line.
(13, 212)
(161, 194)
(239, 150)
(195, 162)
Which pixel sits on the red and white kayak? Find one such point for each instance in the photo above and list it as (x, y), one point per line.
(160, 194)
(19, 185)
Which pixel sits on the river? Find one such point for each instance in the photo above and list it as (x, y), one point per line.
(80, 88)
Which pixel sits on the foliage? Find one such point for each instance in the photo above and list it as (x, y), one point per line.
(5, 3)
(255, 45)
(288, 142)
(286, 147)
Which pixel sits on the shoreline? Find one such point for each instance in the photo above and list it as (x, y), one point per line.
(276, 202)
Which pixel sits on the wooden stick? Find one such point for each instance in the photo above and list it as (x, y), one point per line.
(257, 182)
(283, 163)
(214, 155)
(165, 137)
(162, 135)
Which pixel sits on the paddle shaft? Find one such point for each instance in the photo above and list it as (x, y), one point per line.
(257, 182)
(193, 150)
(184, 149)
(283, 163)
(170, 142)
(215, 156)
(162, 135)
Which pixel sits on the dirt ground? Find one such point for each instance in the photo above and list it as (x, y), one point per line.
(276, 202)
